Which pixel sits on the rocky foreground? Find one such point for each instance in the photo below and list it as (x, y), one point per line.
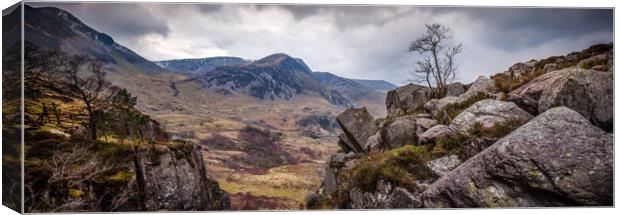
(536, 135)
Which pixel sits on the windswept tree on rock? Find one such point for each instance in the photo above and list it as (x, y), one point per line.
(437, 68)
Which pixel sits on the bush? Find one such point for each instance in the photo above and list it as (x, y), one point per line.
(592, 63)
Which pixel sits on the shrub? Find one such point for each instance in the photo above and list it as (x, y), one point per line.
(219, 142)
(447, 145)
(592, 63)
(401, 166)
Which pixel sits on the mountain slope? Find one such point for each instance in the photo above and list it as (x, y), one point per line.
(345, 86)
(54, 28)
(200, 66)
(277, 76)
(376, 84)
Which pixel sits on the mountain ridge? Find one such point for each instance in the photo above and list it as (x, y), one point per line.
(54, 28)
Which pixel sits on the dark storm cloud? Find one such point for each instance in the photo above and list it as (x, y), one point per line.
(120, 20)
(532, 26)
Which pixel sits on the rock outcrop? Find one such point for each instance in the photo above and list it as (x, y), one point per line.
(177, 180)
(482, 85)
(406, 99)
(559, 158)
(589, 92)
(386, 196)
(488, 113)
(434, 133)
(401, 132)
(357, 126)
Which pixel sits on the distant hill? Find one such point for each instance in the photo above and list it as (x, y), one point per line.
(272, 77)
(376, 84)
(199, 66)
(53, 28)
(347, 87)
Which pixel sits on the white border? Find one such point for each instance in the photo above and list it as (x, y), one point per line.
(518, 3)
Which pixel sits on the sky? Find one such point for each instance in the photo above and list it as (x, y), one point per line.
(366, 42)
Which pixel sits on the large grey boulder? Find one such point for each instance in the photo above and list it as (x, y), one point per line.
(385, 196)
(434, 106)
(434, 133)
(481, 85)
(401, 132)
(423, 124)
(588, 92)
(406, 99)
(455, 89)
(557, 159)
(443, 165)
(488, 113)
(357, 125)
(177, 180)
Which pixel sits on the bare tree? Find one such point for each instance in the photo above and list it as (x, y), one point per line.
(85, 79)
(437, 70)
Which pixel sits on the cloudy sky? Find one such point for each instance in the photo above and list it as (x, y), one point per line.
(352, 41)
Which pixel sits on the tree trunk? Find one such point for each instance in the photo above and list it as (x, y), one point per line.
(139, 179)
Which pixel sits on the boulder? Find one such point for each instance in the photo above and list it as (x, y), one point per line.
(525, 103)
(455, 89)
(177, 180)
(423, 124)
(482, 84)
(595, 60)
(473, 146)
(588, 92)
(375, 143)
(357, 125)
(337, 160)
(406, 99)
(550, 67)
(557, 159)
(438, 131)
(347, 145)
(488, 113)
(330, 183)
(385, 196)
(443, 165)
(401, 132)
(434, 106)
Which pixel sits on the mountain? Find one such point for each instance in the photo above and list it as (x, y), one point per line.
(200, 66)
(53, 28)
(275, 76)
(345, 86)
(376, 84)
